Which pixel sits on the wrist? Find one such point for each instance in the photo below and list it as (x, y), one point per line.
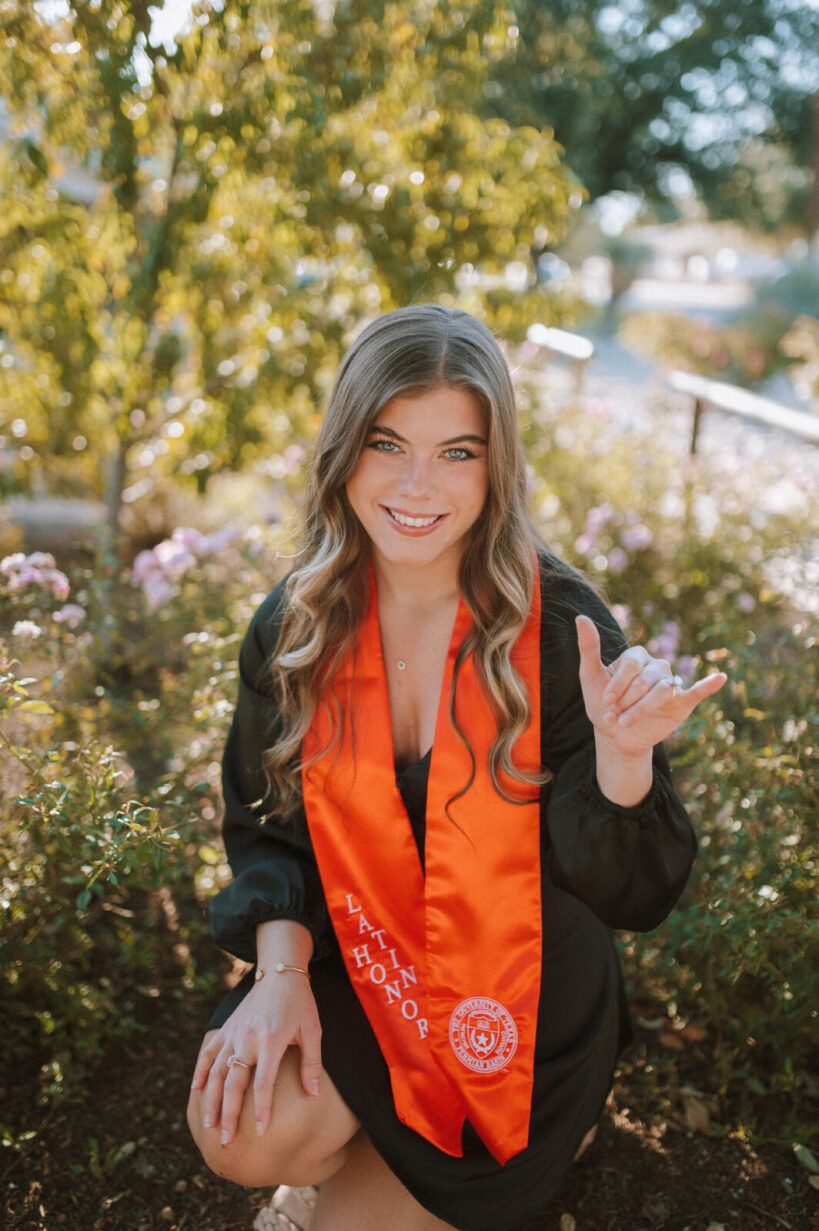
(625, 779)
(283, 940)
(612, 751)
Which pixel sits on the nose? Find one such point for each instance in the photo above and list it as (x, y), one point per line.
(417, 480)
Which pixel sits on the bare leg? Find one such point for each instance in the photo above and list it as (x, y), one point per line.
(365, 1195)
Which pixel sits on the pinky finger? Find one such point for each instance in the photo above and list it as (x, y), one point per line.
(708, 686)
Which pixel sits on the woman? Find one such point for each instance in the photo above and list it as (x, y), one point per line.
(444, 784)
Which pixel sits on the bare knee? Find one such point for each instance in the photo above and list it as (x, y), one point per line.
(295, 1150)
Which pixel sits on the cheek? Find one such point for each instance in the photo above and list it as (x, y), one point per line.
(476, 487)
(359, 482)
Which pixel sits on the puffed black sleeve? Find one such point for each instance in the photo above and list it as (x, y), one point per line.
(629, 865)
(275, 875)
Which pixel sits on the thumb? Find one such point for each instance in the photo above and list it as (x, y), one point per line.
(592, 668)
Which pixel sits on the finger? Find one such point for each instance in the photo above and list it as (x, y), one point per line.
(592, 669)
(212, 1102)
(204, 1061)
(236, 1084)
(705, 687)
(638, 688)
(629, 665)
(681, 705)
(659, 699)
(311, 1058)
(264, 1081)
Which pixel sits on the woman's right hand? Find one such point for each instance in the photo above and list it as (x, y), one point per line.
(278, 1010)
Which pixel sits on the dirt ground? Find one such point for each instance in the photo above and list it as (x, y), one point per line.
(123, 1160)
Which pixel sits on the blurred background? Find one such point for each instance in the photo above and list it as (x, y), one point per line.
(201, 206)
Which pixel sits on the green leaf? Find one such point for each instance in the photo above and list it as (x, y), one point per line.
(35, 707)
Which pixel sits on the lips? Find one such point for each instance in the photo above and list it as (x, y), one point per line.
(405, 512)
(402, 525)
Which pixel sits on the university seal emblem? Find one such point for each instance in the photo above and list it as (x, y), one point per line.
(483, 1034)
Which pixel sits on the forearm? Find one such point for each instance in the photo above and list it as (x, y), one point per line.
(283, 940)
(624, 780)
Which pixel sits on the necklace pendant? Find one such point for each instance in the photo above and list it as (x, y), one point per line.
(402, 666)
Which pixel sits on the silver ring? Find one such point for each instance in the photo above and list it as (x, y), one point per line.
(234, 1059)
(676, 683)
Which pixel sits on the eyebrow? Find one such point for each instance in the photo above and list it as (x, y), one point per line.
(388, 431)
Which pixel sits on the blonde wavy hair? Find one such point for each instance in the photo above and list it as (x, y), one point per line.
(407, 352)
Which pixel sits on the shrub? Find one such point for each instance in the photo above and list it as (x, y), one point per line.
(79, 857)
(740, 354)
(710, 563)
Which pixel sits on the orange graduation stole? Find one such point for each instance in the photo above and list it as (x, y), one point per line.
(446, 964)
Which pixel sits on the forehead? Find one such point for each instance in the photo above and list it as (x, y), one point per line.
(440, 411)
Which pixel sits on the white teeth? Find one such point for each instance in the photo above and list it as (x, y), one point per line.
(413, 521)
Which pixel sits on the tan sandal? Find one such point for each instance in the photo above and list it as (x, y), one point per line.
(291, 1209)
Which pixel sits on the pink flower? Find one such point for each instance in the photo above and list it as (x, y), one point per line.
(667, 643)
(156, 570)
(10, 564)
(746, 602)
(188, 537)
(617, 560)
(174, 558)
(38, 569)
(597, 517)
(57, 583)
(27, 576)
(636, 538)
(71, 615)
(201, 545)
(157, 590)
(144, 565)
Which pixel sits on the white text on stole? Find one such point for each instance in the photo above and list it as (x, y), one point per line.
(378, 971)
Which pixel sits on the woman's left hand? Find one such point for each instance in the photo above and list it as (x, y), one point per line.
(635, 690)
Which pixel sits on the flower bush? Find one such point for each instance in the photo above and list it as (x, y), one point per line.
(114, 714)
(739, 354)
(777, 327)
(710, 563)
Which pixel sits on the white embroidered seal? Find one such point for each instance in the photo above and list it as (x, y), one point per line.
(482, 1034)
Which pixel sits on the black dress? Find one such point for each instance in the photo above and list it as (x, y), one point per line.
(604, 866)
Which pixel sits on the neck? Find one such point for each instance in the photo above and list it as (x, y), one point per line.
(425, 587)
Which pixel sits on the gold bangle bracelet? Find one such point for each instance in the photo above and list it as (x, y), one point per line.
(280, 967)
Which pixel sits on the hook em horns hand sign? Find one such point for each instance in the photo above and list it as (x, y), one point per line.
(632, 703)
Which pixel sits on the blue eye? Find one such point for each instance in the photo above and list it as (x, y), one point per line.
(392, 446)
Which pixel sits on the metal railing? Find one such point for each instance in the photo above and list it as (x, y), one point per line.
(732, 400)
(571, 346)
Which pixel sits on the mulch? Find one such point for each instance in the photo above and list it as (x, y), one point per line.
(123, 1159)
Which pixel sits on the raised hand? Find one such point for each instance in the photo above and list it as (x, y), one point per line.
(635, 702)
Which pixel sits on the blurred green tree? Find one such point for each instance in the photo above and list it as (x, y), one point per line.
(726, 90)
(260, 187)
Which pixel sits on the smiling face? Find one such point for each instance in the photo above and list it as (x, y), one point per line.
(422, 478)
